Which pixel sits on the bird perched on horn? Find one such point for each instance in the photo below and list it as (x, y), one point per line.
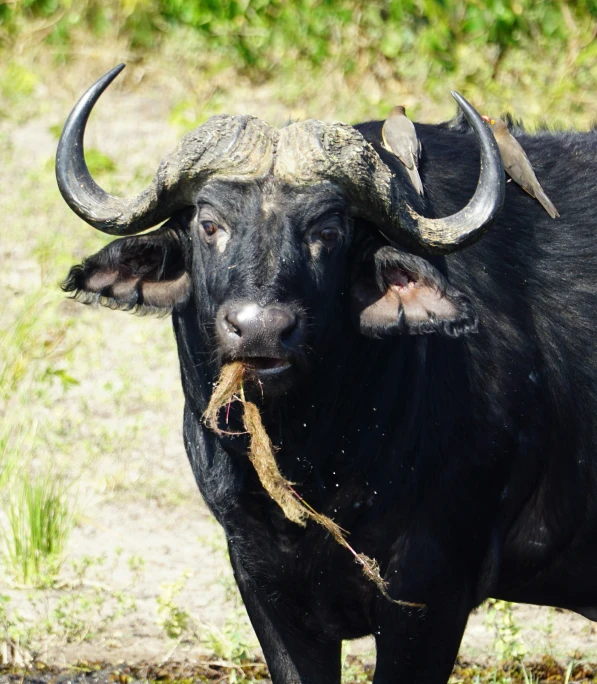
(400, 138)
(517, 164)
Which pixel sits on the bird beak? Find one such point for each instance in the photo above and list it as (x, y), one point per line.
(485, 118)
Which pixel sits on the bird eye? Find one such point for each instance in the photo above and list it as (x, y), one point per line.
(329, 235)
(210, 227)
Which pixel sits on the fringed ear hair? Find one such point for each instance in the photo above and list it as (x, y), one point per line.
(145, 274)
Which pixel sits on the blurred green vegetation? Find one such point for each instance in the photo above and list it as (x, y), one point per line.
(522, 55)
(263, 36)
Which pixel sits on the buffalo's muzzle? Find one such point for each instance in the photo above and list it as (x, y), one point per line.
(267, 337)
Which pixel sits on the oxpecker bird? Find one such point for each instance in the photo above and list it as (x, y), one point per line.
(517, 164)
(400, 138)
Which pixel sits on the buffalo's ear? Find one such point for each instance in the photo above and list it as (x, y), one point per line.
(144, 273)
(397, 293)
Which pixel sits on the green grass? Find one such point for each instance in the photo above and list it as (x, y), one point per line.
(176, 622)
(507, 644)
(39, 521)
(231, 643)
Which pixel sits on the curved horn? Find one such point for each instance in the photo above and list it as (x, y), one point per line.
(312, 151)
(224, 145)
(82, 194)
(443, 235)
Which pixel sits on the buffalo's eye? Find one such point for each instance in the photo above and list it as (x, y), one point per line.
(329, 235)
(325, 231)
(210, 227)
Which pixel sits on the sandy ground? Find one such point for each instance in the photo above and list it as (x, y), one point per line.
(141, 500)
(172, 540)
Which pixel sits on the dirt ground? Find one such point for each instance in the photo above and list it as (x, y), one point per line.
(172, 540)
(137, 497)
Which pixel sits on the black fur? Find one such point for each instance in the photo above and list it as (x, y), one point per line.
(466, 466)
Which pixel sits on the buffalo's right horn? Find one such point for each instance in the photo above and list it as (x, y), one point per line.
(312, 151)
(225, 145)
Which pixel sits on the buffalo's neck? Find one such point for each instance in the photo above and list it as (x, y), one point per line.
(367, 413)
(381, 433)
(355, 407)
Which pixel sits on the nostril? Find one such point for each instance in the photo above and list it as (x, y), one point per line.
(284, 322)
(287, 332)
(232, 325)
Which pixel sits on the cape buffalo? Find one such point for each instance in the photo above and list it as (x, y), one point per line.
(438, 403)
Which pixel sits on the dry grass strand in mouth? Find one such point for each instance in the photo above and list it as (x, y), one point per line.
(261, 453)
(224, 393)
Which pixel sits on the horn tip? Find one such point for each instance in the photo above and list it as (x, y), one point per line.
(113, 73)
(458, 97)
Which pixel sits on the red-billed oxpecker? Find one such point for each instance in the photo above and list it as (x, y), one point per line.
(400, 138)
(518, 166)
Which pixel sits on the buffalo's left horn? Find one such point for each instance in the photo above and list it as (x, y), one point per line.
(225, 145)
(312, 151)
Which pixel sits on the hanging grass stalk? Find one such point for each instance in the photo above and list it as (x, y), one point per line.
(261, 455)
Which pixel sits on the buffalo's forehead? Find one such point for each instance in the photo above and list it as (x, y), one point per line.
(304, 202)
(270, 197)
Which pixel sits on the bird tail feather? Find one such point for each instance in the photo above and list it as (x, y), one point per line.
(416, 179)
(547, 204)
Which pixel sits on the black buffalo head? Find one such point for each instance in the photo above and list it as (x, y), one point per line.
(275, 238)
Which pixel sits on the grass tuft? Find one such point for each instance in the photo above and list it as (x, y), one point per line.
(39, 521)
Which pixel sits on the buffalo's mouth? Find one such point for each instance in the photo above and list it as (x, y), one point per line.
(266, 366)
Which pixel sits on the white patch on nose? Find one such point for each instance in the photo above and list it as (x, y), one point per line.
(248, 313)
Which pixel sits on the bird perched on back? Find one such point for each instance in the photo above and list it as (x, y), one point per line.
(400, 138)
(517, 164)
